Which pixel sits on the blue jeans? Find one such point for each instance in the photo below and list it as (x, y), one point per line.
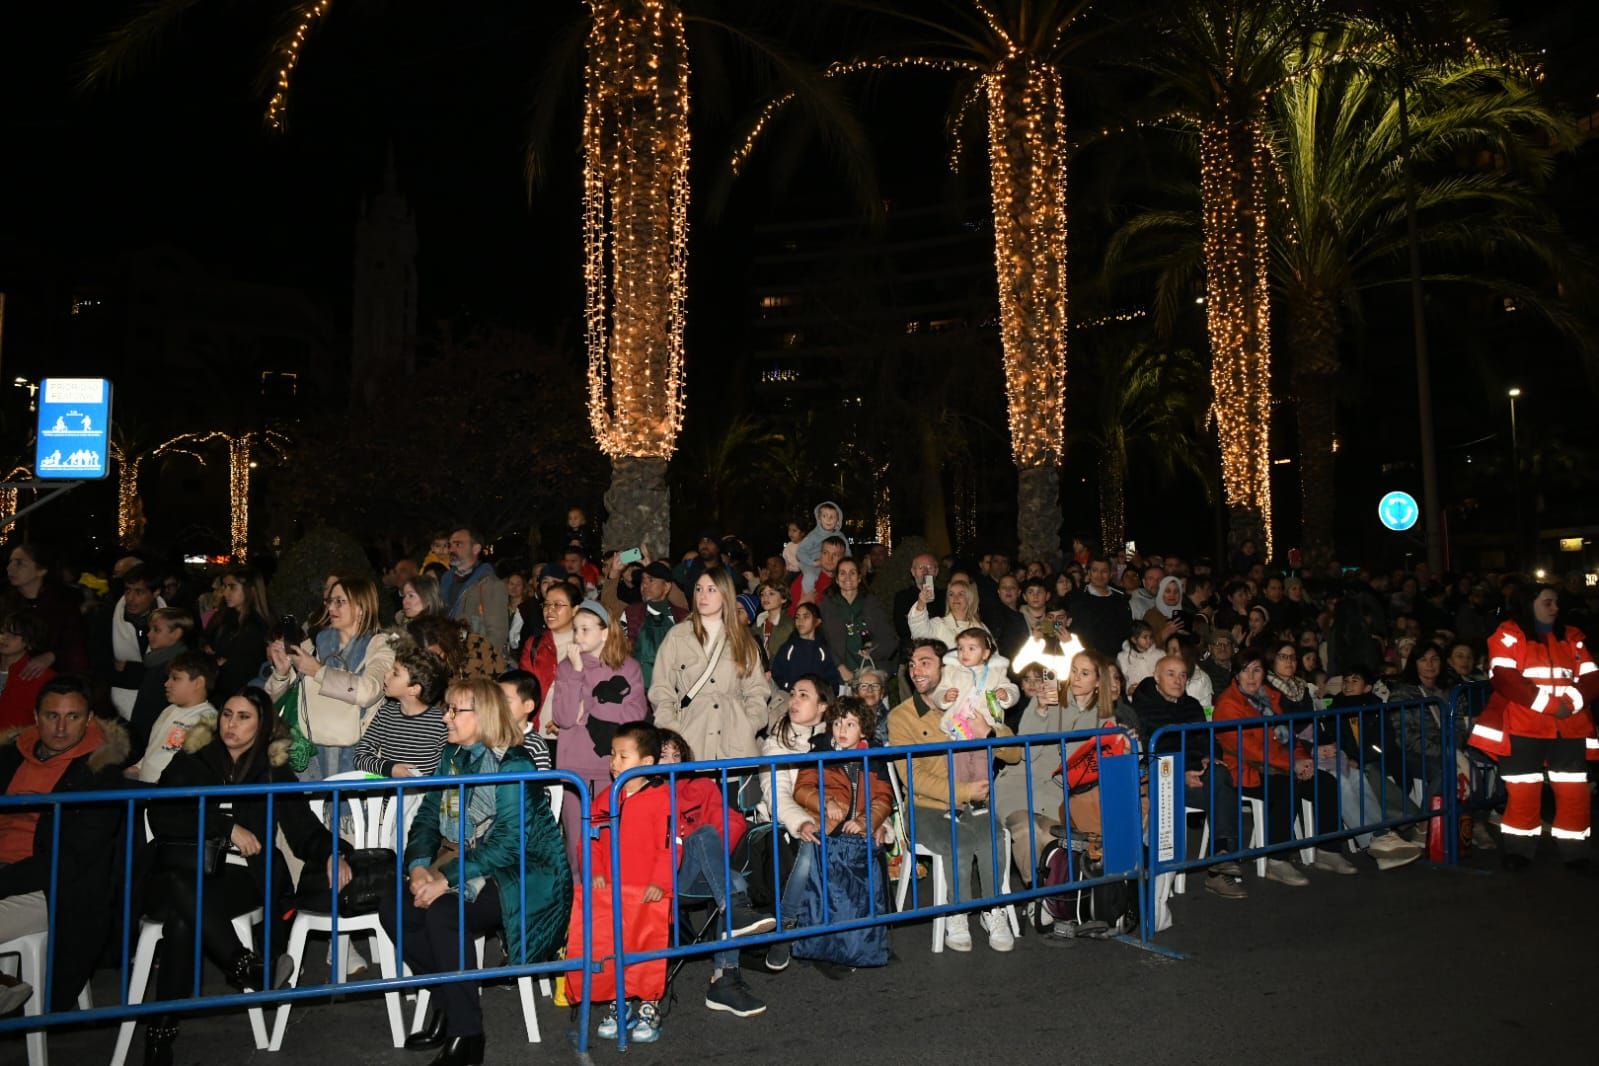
(700, 873)
(798, 878)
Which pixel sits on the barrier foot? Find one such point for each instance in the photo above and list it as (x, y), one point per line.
(1154, 949)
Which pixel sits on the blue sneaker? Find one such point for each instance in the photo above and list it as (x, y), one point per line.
(646, 1027)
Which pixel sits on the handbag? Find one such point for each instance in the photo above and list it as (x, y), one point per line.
(181, 854)
(710, 668)
(371, 880)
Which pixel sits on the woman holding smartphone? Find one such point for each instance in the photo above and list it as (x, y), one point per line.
(1047, 713)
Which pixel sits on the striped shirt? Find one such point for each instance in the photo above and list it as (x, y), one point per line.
(395, 737)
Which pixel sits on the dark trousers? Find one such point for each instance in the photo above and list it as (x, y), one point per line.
(433, 945)
(169, 898)
(1282, 806)
(1219, 800)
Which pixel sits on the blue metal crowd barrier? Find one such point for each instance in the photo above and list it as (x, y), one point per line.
(1375, 766)
(1121, 828)
(1466, 702)
(337, 791)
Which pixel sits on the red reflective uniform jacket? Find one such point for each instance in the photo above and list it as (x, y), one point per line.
(1535, 680)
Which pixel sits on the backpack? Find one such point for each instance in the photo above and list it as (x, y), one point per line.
(1099, 912)
(851, 885)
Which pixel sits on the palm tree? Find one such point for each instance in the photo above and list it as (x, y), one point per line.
(1338, 227)
(1217, 63)
(1141, 401)
(1009, 56)
(1339, 134)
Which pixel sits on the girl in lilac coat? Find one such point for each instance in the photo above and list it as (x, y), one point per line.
(598, 686)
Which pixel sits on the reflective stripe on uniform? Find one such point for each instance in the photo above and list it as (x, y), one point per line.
(1495, 735)
(1588, 666)
(1522, 779)
(1501, 664)
(1565, 834)
(1562, 777)
(1515, 832)
(1540, 701)
(1593, 743)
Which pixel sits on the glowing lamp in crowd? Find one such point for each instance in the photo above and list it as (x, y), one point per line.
(1036, 651)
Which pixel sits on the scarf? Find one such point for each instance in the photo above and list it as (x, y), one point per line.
(1261, 702)
(1293, 688)
(349, 657)
(472, 759)
(651, 631)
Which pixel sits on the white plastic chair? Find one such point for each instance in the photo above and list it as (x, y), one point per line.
(373, 824)
(150, 934)
(1257, 835)
(29, 950)
(524, 985)
(936, 870)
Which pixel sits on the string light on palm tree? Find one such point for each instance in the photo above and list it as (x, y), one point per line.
(635, 224)
(288, 52)
(240, 449)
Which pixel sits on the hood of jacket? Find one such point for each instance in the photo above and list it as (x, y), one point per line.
(202, 733)
(105, 742)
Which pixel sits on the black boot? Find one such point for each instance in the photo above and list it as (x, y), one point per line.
(431, 1036)
(245, 973)
(461, 1051)
(158, 1038)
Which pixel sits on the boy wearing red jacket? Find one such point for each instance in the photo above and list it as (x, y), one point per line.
(700, 872)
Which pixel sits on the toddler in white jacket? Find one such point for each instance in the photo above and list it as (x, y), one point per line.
(971, 672)
(1138, 656)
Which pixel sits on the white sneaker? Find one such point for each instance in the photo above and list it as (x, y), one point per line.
(997, 922)
(1334, 862)
(1391, 851)
(957, 933)
(1285, 873)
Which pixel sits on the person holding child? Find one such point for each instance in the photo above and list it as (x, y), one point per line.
(917, 721)
(808, 552)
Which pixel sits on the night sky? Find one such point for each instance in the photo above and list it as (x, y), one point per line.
(176, 153)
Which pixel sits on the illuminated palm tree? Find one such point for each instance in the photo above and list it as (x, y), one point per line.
(1009, 55)
(1218, 62)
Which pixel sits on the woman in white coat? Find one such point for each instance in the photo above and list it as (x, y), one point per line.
(343, 671)
(708, 684)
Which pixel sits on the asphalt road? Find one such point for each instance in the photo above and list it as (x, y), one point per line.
(1417, 963)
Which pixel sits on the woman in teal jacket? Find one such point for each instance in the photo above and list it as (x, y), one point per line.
(511, 840)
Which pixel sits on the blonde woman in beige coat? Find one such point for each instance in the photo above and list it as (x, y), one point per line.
(721, 719)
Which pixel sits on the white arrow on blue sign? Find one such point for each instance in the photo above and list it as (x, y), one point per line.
(1398, 511)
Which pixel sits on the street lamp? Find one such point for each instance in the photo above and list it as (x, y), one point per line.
(1515, 476)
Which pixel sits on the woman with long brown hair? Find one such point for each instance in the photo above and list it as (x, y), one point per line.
(708, 683)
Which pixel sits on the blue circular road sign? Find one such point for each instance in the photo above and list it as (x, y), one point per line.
(1398, 511)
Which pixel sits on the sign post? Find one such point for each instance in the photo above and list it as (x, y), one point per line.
(73, 440)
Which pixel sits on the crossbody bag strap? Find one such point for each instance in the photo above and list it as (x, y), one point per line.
(710, 666)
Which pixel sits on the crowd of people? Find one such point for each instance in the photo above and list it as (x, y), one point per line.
(600, 662)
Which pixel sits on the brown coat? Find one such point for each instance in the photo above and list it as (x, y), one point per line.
(840, 786)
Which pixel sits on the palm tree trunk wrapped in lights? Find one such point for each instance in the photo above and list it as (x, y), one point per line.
(635, 232)
(1027, 159)
(1233, 166)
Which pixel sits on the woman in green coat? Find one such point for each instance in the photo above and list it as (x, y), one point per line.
(512, 870)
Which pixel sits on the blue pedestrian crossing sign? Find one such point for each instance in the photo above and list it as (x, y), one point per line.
(74, 431)
(1398, 511)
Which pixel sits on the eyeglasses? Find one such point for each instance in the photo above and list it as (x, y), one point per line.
(548, 607)
(869, 685)
(335, 601)
(452, 710)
